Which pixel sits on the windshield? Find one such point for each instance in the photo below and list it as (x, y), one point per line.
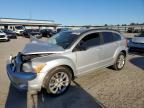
(63, 39)
(19, 27)
(8, 31)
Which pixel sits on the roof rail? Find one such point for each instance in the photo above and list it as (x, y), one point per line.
(104, 29)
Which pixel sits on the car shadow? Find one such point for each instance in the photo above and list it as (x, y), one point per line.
(74, 97)
(15, 98)
(138, 61)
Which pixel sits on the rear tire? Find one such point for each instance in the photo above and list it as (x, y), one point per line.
(58, 80)
(120, 62)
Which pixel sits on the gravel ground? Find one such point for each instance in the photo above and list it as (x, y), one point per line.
(104, 88)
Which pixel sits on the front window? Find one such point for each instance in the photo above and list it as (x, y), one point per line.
(63, 39)
(90, 40)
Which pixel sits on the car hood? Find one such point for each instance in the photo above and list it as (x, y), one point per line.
(138, 40)
(2, 34)
(41, 47)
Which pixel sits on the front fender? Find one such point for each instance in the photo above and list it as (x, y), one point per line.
(51, 62)
(58, 61)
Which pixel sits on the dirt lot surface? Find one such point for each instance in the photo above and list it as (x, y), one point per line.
(104, 88)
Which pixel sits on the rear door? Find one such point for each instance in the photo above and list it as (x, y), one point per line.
(110, 45)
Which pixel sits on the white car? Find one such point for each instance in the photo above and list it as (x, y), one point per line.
(18, 29)
(3, 36)
(137, 43)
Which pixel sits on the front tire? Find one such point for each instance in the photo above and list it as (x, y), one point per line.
(120, 61)
(58, 80)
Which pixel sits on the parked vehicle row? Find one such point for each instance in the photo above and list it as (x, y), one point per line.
(32, 32)
(13, 31)
(7, 34)
(134, 30)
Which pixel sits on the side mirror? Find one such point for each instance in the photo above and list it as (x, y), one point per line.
(80, 48)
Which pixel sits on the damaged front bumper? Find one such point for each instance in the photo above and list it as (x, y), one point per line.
(19, 79)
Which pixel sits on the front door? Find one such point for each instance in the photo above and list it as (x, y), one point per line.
(88, 59)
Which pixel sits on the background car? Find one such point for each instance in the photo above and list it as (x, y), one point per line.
(47, 32)
(32, 32)
(10, 34)
(137, 43)
(18, 29)
(3, 36)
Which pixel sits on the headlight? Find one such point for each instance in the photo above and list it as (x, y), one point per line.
(28, 67)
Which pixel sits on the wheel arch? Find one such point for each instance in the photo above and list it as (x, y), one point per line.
(66, 63)
(125, 53)
(121, 49)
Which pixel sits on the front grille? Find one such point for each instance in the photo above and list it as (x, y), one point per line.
(2, 36)
(138, 43)
(21, 32)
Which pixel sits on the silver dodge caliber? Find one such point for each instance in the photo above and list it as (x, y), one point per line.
(54, 64)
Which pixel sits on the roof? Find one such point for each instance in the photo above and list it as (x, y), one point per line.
(80, 31)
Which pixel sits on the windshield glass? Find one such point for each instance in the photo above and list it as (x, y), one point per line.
(8, 31)
(63, 39)
(19, 27)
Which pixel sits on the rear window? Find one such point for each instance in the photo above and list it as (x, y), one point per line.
(116, 37)
(109, 37)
